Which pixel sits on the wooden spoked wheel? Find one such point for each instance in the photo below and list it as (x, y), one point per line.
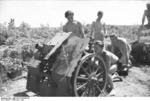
(90, 77)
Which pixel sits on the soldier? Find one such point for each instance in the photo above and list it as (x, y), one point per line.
(97, 28)
(146, 15)
(121, 45)
(143, 29)
(73, 26)
(110, 61)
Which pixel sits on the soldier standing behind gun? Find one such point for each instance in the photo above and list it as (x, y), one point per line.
(73, 26)
(146, 15)
(97, 28)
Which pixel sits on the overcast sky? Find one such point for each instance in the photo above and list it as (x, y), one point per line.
(36, 12)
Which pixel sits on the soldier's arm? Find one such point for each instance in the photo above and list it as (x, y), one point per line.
(81, 29)
(124, 51)
(113, 58)
(104, 28)
(112, 48)
(64, 28)
(143, 18)
(127, 53)
(92, 30)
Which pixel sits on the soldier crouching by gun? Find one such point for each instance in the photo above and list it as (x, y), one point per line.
(121, 48)
(110, 60)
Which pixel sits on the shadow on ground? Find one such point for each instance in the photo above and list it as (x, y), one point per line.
(21, 94)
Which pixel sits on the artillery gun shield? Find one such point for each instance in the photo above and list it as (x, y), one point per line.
(36, 67)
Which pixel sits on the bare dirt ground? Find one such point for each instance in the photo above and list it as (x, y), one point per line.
(136, 84)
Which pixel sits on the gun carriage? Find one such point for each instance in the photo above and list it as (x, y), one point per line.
(86, 73)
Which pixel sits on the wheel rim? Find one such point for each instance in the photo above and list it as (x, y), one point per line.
(90, 77)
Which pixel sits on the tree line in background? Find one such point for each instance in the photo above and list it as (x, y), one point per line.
(11, 32)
